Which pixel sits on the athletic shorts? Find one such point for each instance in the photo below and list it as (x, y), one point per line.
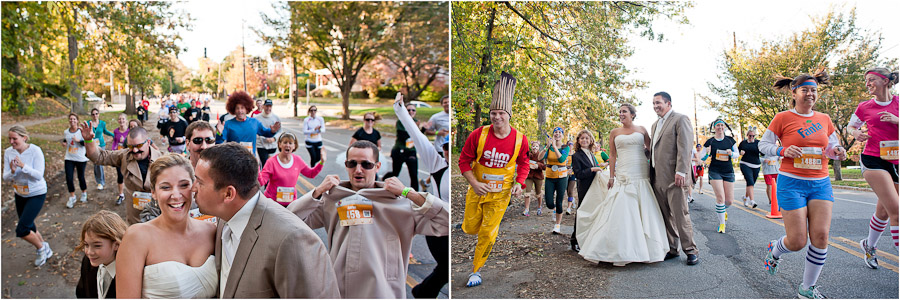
(869, 162)
(795, 193)
(532, 185)
(770, 178)
(571, 177)
(713, 175)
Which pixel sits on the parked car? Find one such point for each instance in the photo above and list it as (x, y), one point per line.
(90, 96)
(419, 104)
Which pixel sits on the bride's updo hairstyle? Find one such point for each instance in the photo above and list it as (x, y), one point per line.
(788, 85)
(631, 109)
(169, 161)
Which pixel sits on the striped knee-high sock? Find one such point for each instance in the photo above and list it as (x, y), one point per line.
(779, 248)
(894, 235)
(815, 260)
(876, 227)
(720, 211)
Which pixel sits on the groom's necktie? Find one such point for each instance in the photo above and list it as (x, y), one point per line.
(228, 257)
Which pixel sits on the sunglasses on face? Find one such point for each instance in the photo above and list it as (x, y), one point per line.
(313, 110)
(137, 146)
(200, 140)
(411, 110)
(351, 164)
(94, 114)
(370, 120)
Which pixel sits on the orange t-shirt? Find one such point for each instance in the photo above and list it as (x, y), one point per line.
(794, 129)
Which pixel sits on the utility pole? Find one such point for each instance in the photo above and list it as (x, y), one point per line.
(696, 122)
(243, 55)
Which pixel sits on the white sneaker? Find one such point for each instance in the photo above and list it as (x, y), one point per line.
(71, 202)
(99, 186)
(83, 197)
(556, 229)
(753, 204)
(43, 254)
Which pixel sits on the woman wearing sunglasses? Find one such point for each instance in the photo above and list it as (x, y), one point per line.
(313, 127)
(280, 175)
(369, 133)
(750, 164)
(99, 128)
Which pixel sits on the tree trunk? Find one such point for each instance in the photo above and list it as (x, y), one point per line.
(836, 166)
(345, 96)
(74, 89)
(296, 85)
(462, 132)
(11, 64)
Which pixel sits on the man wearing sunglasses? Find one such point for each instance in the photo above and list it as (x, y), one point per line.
(370, 224)
(200, 136)
(134, 161)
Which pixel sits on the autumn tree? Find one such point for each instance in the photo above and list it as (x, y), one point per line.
(419, 46)
(568, 58)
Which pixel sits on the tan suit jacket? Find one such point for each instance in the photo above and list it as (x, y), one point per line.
(132, 175)
(671, 152)
(371, 260)
(278, 257)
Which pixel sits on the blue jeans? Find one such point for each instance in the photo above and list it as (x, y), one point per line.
(98, 174)
(555, 186)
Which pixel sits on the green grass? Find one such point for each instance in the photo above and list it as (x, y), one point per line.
(853, 183)
(58, 126)
(847, 173)
(422, 113)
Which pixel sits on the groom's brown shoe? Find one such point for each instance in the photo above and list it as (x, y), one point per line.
(670, 255)
(692, 259)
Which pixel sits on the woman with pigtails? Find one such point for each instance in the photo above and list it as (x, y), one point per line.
(721, 174)
(804, 187)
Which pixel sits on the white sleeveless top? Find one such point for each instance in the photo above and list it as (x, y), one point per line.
(170, 279)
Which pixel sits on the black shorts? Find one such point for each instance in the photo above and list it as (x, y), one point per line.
(870, 162)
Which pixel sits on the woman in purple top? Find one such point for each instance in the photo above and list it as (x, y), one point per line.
(118, 142)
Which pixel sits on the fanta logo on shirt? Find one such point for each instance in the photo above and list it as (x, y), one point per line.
(495, 159)
(809, 131)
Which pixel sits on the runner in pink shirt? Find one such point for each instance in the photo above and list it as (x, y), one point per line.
(281, 174)
(879, 159)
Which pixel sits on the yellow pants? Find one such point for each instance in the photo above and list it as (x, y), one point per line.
(482, 217)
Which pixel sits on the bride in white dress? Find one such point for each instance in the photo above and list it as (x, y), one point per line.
(172, 255)
(624, 224)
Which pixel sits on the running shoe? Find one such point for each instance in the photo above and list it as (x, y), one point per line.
(870, 258)
(556, 229)
(120, 199)
(43, 254)
(539, 211)
(71, 202)
(525, 213)
(568, 211)
(811, 293)
(753, 204)
(424, 184)
(99, 186)
(745, 201)
(771, 263)
(721, 228)
(83, 197)
(474, 279)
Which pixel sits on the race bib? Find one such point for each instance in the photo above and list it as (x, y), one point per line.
(494, 182)
(248, 146)
(811, 158)
(73, 149)
(556, 171)
(773, 162)
(313, 135)
(355, 210)
(409, 143)
(722, 155)
(21, 189)
(195, 214)
(285, 194)
(889, 150)
(139, 199)
(532, 164)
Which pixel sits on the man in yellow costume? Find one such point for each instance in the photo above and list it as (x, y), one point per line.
(494, 161)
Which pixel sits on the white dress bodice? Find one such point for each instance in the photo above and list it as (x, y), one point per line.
(170, 279)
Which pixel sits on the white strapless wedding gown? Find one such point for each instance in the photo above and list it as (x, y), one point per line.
(175, 280)
(624, 224)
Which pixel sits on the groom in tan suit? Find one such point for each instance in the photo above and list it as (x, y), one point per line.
(262, 249)
(670, 161)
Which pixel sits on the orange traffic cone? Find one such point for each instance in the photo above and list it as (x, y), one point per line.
(774, 212)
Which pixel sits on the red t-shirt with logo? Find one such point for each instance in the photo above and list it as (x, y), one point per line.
(813, 131)
(497, 152)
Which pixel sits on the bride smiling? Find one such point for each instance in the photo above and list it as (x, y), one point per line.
(170, 256)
